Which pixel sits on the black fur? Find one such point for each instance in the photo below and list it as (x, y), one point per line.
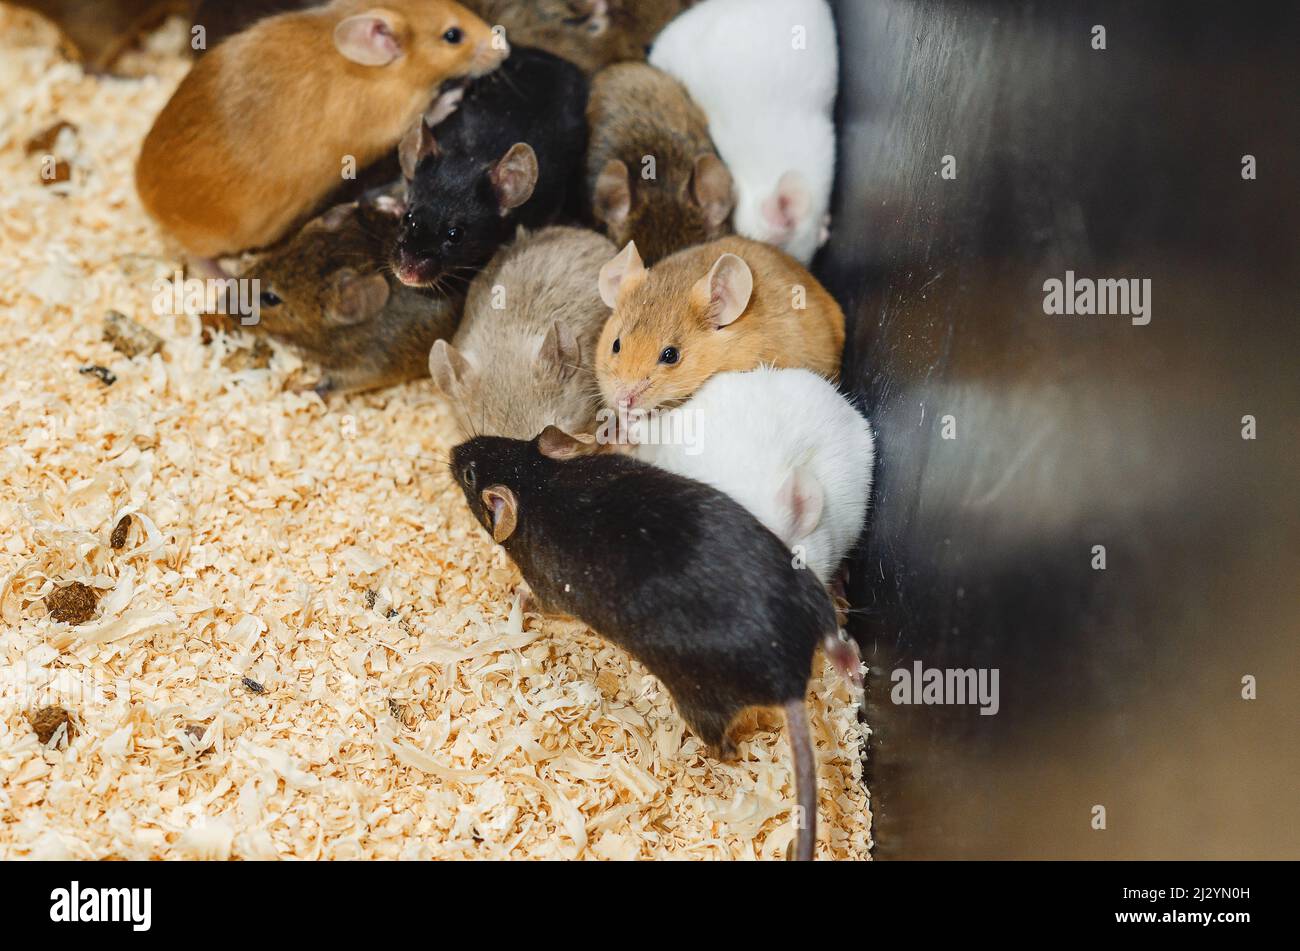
(674, 571)
(533, 97)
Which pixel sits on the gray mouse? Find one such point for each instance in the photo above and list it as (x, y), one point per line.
(523, 356)
(328, 291)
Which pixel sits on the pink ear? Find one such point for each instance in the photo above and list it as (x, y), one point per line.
(625, 265)
(416, 144)
(368, 39)
(785, 208)
(613, 198)
(727, 287)
(802, 498)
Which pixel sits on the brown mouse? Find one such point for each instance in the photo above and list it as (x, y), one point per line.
(523, 357)
(591, 34)
(264, 126)
(652, 172)
(99, 31)
(732, 304)
(328, 291)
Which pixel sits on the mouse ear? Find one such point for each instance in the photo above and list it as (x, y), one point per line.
(356, 298)
(514, 177)
(561, 350)
(787, 207)
(372, 38)
(555, 443)
(727, 288)
(389, 205)
(448, 367)
(623, 267)
(613, 199)
(335, 218)
(802, 499)
(416, 144)
(503, 509)
(711, 188)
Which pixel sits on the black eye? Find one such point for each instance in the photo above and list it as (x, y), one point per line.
(470, 474)
(269, 299)
(454, 35)
(453, 236)
(617, 345)
(669, 356)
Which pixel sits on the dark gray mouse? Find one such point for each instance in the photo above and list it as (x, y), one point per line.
(327, 291)
(672, 570)
(511, 154)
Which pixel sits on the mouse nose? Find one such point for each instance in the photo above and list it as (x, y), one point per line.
(489, 54)
(628, 395)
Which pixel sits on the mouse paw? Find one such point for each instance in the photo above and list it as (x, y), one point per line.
(444, 105)
(824, 234)
(843, 655)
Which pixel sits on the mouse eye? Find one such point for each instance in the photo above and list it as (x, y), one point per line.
(470, 474)
(453, 236)
(269, 299)
(617, 345)
(454, 35)
(670, 356)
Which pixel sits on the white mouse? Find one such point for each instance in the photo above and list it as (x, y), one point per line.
(782, 442)
(765, 73)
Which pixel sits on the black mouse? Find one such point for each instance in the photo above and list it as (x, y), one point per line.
(672, 570)
(511, 154)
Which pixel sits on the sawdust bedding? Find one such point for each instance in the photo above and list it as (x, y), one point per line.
(294, 640)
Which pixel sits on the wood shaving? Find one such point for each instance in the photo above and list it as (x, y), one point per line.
(408, 707)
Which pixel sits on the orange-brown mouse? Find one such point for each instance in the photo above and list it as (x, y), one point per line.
(328, 291)
(263, 127)
(732, 304)
(590, 34)
(652, 173)
(99, 31)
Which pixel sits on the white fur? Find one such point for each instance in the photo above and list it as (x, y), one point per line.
(753, 430)
(769, 104)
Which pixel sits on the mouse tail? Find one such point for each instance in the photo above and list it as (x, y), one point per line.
(805, 777)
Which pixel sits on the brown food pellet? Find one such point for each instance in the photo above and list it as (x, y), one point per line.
(72, 604)
(47, 720)
(118, 538)
(44, 140)
(62, 172)
(129, 337)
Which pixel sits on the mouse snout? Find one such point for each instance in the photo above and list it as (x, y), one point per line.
(413, 262)
(415, 269)
(488, 55)
(628, 394)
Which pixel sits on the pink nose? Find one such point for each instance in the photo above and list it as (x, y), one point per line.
(628, 395)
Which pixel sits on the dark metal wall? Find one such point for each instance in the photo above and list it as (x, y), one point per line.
(1119, 687)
